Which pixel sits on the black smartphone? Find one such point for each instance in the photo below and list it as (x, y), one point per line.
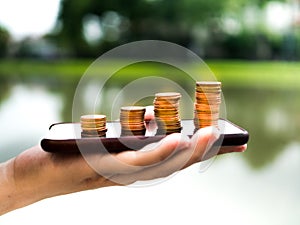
(66, 137)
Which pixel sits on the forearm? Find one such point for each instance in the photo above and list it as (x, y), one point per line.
(35, 175)
(21, 183)
(8, 194)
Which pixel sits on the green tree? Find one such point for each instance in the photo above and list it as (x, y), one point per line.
(4, 41)
(122, 21)
(118, 21)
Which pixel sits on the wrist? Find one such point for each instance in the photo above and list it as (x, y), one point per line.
(7, 187)
(21, 183)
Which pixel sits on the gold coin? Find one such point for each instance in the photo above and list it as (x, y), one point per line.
(93, 125)
(85, 135)
(166, 111)
(94, 129)
(207, 103)
(168, 95)
(133, 108)
(93, 118)
(132, 120)
(208, 107)
(208, 84)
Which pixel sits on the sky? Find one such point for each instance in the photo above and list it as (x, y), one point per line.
(29, 17)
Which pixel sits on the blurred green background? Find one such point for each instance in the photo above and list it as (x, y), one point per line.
(253, 47)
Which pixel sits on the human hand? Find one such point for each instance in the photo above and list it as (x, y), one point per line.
(36, 174)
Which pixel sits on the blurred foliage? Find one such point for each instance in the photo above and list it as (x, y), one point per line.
(231, 29)
(4, 41)
(123, 22)
(237, 5)
(116, 22)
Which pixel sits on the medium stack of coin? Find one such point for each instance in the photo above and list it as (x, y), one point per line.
(166, 111)
(207, 104)
(93, 125)
(132, 120)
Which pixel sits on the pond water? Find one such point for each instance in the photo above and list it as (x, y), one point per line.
(260, 186)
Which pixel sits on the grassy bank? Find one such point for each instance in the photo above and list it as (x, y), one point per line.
(248, 74)
(274, 75)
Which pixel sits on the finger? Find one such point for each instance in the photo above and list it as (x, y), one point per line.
(149, 114)
(178, 161)
(133, 161)
(203, 141)
(173, 164)
(155, 152)
(229, 149)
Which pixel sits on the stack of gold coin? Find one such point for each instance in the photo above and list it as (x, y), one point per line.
(132, 120)
(166, 111)
(93, 125)
(207, 104)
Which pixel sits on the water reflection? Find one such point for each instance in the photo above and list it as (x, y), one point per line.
(271, 117)
(25, 116)
(260, 186)
(111, 98)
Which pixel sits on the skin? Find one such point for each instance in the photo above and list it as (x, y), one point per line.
(35, 174)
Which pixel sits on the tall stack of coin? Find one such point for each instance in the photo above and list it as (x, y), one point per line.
(132, 120)
(207, 104)
(93, 125)
(166, 111)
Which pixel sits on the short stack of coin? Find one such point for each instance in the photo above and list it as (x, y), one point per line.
(132, 120)
(93, 125)
(207, 104)
(166, 111)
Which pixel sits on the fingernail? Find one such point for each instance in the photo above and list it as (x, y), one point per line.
(216, 133)
(184, 143)
(210, 151)
(215, 136)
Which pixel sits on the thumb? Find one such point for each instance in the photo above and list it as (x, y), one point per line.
(201, 144)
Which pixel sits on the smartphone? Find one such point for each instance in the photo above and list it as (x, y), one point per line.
(66, 137)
